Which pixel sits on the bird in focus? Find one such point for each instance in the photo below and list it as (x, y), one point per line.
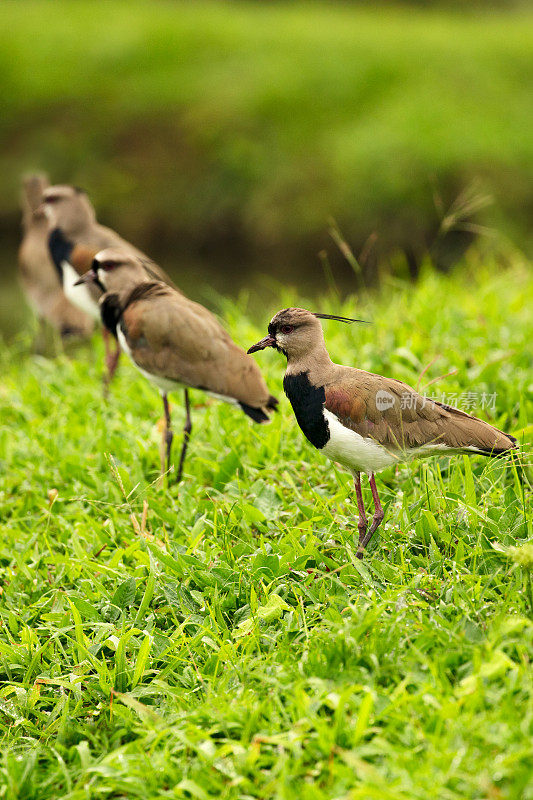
(363, 421)
(38, 275)
(174, 342)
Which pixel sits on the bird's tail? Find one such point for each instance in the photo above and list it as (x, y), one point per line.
(260, 415)
(475, 435)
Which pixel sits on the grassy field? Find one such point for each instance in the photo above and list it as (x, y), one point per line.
(220, 640)
(243, 127)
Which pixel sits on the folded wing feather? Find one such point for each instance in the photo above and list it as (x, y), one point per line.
(175, 338)
(393, 414)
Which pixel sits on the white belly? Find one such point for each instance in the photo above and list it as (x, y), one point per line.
(78, 295)
(357, 453)
(165, 385)
(360, 454)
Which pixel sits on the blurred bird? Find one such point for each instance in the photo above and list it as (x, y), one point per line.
(173, 341)
(38, 276)
(72, 220)
(364, 421)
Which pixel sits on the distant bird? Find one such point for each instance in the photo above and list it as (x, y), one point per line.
(38, 276)
(173, 341)
(364, 421)
(72, 218)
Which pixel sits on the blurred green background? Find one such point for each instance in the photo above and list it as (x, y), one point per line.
(222, 137)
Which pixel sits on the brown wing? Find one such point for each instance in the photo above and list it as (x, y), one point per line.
(393, 414)
(38, 275)
(42, 286)
(175, 338)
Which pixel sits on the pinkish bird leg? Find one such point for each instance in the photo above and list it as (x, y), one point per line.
(363, 521)
(377, 519)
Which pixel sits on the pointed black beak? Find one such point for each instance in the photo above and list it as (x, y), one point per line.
(268, 341)
(87, 277)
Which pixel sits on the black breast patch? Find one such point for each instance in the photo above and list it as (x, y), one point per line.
(110, 312)
(307, 402)
(60, 249)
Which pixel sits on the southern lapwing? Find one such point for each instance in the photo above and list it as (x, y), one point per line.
(364, 421)
(72, 219)
(38, 276)
(70, 209)
(174, 342)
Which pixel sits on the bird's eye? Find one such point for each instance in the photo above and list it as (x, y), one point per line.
(287, 328)
(52, 199)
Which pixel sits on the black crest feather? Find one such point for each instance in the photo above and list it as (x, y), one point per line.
(148, 265)
(349, 320)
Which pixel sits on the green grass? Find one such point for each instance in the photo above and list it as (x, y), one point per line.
(248, 125)
(233, 646)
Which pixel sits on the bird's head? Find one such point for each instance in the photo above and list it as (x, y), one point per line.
(67, 208)
(296, 332)
(114, 270)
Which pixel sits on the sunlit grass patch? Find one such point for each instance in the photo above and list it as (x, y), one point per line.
(221, 639)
